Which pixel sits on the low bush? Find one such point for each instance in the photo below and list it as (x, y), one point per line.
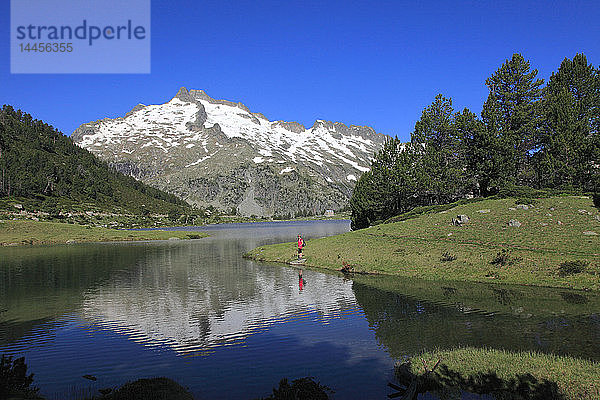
(572, 267)
(447, 257)
(150, 389)
(347, 268)
(14, 380)
(501, 258)
(300, 389)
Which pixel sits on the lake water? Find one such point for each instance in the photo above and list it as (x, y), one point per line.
(226, 327)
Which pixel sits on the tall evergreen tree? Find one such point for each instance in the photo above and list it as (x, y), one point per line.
(389, 188)
(570, 134)
(481, 151)
(511, 112)
(435, 137)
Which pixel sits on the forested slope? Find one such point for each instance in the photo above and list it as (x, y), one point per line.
(39, 162)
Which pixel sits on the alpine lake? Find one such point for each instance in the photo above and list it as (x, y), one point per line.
(226, 327)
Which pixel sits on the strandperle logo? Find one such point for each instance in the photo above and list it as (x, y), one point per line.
(84, 31)
(80, 36)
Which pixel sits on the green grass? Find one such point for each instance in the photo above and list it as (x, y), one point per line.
(30, 232)
(530, 254)
(481, 370)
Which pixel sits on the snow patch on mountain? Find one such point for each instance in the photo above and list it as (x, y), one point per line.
(194, 136)
(166, 127)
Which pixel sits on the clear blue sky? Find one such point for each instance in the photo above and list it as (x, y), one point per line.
(365, 63)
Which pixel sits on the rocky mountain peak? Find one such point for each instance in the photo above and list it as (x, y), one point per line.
(200, 95)
(218, 152)
(184, 95)
(292, 126)
(134, 109)
(322, 124)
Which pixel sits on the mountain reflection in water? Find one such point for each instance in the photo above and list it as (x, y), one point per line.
(195, 309)
(227, 327)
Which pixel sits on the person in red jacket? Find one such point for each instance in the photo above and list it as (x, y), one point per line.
(301, 245)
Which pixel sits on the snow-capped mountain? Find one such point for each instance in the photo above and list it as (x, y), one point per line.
(217, 152)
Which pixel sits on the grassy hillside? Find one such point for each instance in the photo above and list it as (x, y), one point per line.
(557, 244)
(30, 232)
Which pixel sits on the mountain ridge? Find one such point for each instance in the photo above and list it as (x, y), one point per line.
(218, 152)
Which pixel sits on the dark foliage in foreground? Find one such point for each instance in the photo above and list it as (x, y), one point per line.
(300, 389)
(14, 380)
(150, 389)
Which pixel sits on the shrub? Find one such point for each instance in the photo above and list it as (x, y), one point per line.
(346, 268)
(150, 389)
(446, 257)
(14, 379)
(174, 214)
(596, 197)
(572, 267)
(502, 258)
(300, 389)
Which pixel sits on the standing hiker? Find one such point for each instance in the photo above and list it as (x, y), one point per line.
(301, 245)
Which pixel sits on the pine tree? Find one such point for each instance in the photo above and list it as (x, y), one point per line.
(511, 113)
(481, 151)
(389, 188)
(436, 139)
(570, 134)
(361, 202)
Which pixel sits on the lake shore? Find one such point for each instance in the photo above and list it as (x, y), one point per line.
(553, 242)
(15, 233)
(482, 370)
